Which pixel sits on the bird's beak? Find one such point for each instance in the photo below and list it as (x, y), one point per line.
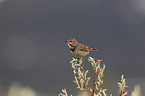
(66, 41)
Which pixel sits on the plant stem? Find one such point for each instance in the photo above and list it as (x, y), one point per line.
(97, 80)
(121, 93)
(93, 87)
(85, 85)
(86, 89)
(131, 93)
(78, 75)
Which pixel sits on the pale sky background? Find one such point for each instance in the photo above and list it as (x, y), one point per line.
(32, 34)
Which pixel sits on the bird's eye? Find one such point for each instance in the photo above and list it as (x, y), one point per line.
(70, 41)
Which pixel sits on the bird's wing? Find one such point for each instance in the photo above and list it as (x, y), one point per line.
(86, 48)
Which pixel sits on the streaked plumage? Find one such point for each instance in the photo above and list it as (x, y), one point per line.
(78, 49)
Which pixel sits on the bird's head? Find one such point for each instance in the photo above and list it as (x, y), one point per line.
(71, 42)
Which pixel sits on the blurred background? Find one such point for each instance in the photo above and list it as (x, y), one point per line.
(34, 57)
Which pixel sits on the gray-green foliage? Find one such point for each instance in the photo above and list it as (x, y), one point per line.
(123, 89)
(82, 80)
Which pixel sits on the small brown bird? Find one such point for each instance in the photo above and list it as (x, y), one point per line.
(77, 49)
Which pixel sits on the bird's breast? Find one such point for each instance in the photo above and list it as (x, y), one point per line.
(70, 46)
(79, 53)
(73, 49)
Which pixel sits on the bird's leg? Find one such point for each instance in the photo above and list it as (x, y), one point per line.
(78, 59)
(84, 59)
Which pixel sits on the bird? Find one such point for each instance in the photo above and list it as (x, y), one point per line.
(77, 49)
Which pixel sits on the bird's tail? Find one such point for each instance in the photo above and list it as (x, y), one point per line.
(94, 49)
